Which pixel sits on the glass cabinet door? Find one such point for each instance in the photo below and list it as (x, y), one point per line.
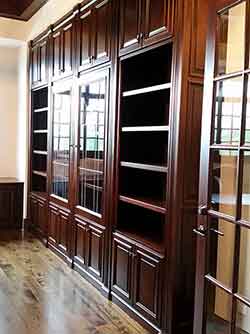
(91, 137)
(61, 133)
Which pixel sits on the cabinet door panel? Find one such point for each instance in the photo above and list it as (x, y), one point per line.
(122, 269)
(130, 24)
(43, 65)
(68, 49)
(103, 31)
(53, 225)
(147, 292)
(42, 217)
(57, 60)
(81, 239)
(33, 211)
(84, 39)
(35, 65)
(95, 251)
(157, 20)
(63, 232)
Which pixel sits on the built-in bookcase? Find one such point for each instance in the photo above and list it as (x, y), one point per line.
(39, 150)
(144, 142)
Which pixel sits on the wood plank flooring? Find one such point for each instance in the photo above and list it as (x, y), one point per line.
(40, 294)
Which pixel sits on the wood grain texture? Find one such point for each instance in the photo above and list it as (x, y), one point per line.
(40, 294)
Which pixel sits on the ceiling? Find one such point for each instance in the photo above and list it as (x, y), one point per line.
(20, 9)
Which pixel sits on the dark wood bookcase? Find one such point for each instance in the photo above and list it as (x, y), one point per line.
(144, 143)
(115, 117)
(39, 149)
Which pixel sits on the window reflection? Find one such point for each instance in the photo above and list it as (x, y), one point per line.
(61, 142)
(224, 176)
(92, 114)
(231, 44)
(245, 209)
(228, 111)
(247, 120)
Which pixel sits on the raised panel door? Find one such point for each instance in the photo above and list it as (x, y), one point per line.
(64, 232)
(56, 55)
(102, 26)
(81, 242)
(95, 251)
(43, 62)
(130, 25)
(35, 64)
(122, 269)
(53, 225)
(147, 293)
(84, 39)
(42, 217)
(67, 49)
(34, 211)
(157, 20)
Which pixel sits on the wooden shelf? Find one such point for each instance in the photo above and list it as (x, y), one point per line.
(36, 172)
(40, 110)
(151, 242)
(40, 152)
(147, 90)
(40, 131)
(146, 203)
(145, 128)
(40, 194)
(153, 168)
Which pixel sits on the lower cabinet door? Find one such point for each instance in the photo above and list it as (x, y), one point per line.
(95, 250)
(53, 225)
(64, 232)
(147, 291)
(42, 218)
(34, 211)
(122, 269)
(80, 255)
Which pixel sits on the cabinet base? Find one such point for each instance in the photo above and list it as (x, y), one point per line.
(136, 315)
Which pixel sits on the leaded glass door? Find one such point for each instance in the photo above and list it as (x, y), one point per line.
(91, 129)
(222, 302)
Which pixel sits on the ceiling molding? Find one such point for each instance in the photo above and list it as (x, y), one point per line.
(23, 11)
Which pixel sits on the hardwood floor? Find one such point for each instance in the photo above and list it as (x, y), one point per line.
(39, 294)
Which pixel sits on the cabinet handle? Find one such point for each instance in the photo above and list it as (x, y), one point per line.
(202, 210)
(142, 35)
(200, 231)
(138, 37)
(221, 234)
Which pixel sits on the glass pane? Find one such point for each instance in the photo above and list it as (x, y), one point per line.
(244, 266)
(228, 111)
(242, 319)
(247, 126)
(92, 113)
(231, 39)
(245, 209)
(224, 176)
(218, 311)
(61, 142)
(221, 250)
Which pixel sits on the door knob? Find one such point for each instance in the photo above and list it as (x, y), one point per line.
(202, 210)
(201, 231)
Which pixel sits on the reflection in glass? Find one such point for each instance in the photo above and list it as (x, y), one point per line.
(218, 311)
(244, 266)
(242, 319)
(221, 250)
(231, 44)
(247, 121)
(224, 176)
(61, 142)
(92, 114)
(228, 111)
(245, 208)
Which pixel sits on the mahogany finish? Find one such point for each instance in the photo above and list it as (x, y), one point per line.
(126, 222)
(11, 203)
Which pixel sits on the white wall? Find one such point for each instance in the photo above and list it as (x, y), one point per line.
(8, 111)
